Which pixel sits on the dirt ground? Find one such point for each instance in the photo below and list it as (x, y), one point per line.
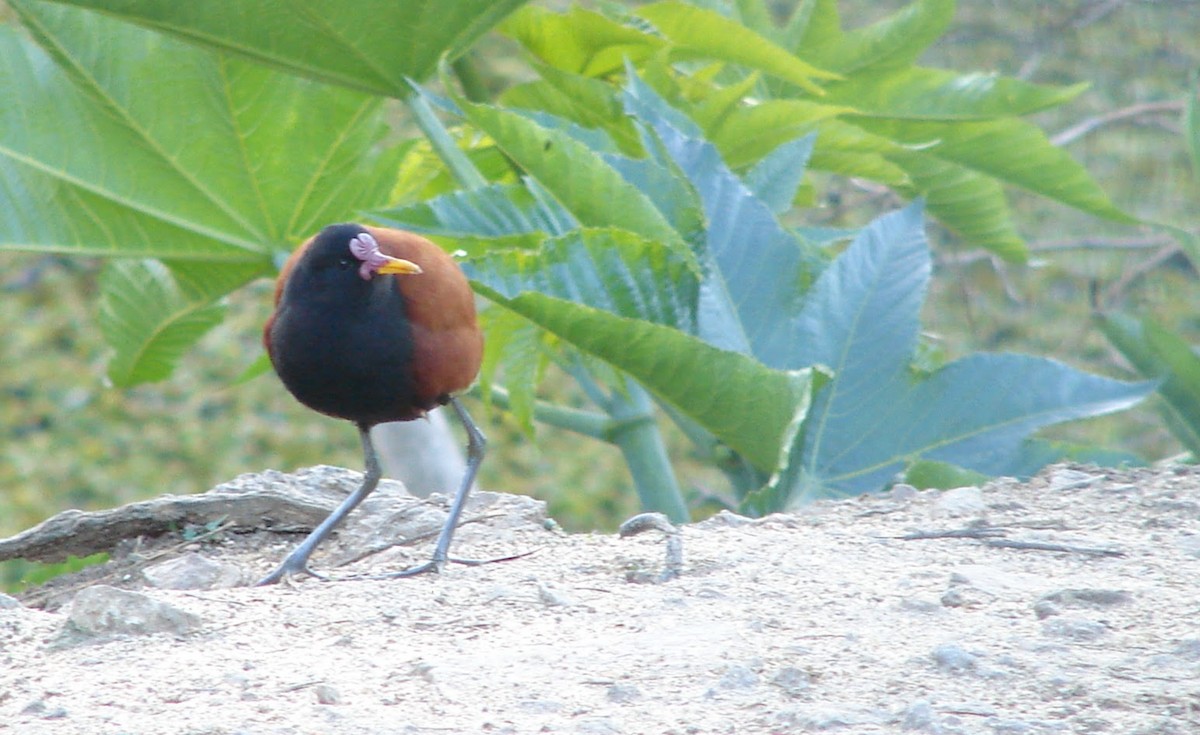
(1068, 604)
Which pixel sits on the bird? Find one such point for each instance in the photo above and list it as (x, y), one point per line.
(374, 324)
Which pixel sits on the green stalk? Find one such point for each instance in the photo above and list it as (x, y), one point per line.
(459, 165)
(636, 434)
(588, 423)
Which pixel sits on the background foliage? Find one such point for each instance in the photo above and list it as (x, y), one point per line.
(71, 437)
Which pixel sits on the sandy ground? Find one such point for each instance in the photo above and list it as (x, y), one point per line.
(1065, 605)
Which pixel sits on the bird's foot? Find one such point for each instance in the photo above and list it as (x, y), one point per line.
(289, 570)
(435, 565)
(493, 560)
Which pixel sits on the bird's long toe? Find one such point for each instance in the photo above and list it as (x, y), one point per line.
(289, 571)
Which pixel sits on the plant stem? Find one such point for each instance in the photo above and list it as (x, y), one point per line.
(460, 166)
(588, 423)
(631, 427)
(637, 436)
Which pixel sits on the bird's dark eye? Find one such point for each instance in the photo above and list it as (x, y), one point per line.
(344, 264)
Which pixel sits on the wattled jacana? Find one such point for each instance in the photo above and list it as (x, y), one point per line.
(372, 325)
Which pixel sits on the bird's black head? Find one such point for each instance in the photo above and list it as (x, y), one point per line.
(344, 259)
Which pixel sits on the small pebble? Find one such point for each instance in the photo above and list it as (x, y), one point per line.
(599, 726)
(623, 693)
(953, 658)
(793, 681)
(726, 519)
(1188, 649)
(737, 676)
(193, 572)
(961, 501)
(327, 694)
(919, 716)
(552, 597)
(1089, 598)
(1076, 629)
(102, 610)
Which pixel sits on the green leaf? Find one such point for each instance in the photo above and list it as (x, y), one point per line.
(776, 177)
(968, 203)
(867, 302)
(150, 319)
(1157, 353)
(613, 270)
(704, 34)
(1008, 150)
(580, 41)
(368, 45)
(222, 187)
(513, 345)
(665, 361)
(495, 211)
(578, 178)
(874, 418)
(259, 367)
(117, 141)
(589, 102)
(815, 33)
(755, 271)
(925, 474)
(916, 93)
(752, 132)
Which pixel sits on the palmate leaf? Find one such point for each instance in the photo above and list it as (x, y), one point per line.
(630, 302)
(369, 45)
(1157, 353)
(875, 123)
(1009, 151)
(579, 179)
(589, 102)
(874, 418)
(705, 34)
(152, 314)
(971, 204)
(116, 141)
(755, 271)
(496, 211)
(608, 269)
(700, 381)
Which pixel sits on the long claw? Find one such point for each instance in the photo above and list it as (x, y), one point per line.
(289, 570)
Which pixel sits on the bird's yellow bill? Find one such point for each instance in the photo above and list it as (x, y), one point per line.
(399, 266)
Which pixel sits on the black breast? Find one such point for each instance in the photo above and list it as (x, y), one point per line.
(346, 352)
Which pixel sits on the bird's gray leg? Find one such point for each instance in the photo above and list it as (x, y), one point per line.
(297, 561)
(476, 448)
